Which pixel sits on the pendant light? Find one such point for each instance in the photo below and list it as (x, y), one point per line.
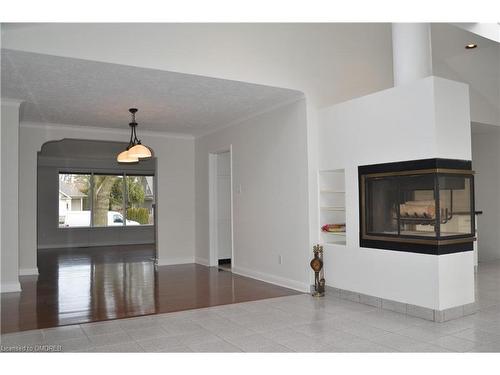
(135, 150)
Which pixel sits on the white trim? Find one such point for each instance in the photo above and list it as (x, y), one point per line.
(28, 271)
(231, 184)
(174, 261)
(63, 193)
(212, 208)
(213, 203)
(202, 261)
(277, 280)
(93, 244)
(249, 117)
(11, 287)
(11, 102)
(101, 130)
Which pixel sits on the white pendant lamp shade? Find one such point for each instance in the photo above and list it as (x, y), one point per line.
(135, 150)
(139, 151)
(125, 157)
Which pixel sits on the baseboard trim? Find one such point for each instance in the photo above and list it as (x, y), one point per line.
(94, 244)
(405, 308)
(28, 271)
(174, 261)
(10, 287)
(202, 261)
(277, 280)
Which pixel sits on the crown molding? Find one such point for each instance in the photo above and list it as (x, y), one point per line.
(101, 130)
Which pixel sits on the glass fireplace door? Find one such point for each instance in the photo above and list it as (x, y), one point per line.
(401, 206)
(456, 214)
(427, 206)
(381, 206)
(423, 206)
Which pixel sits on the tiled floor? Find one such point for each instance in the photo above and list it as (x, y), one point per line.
(297, 323)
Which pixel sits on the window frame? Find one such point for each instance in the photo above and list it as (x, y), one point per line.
(91, 173)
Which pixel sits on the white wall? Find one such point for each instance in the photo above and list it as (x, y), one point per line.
(404, 123)
(486, 163)
(175, 182)
(270, 200)
(479, 68)
(9, 196)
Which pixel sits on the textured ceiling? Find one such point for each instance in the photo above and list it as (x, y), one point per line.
(81, 92)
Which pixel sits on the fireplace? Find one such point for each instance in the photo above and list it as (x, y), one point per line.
(422, 206)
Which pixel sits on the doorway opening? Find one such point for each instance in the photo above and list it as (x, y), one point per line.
(96, 232)
(221, 210)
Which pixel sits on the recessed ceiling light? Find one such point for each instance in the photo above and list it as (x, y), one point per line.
(471, 46)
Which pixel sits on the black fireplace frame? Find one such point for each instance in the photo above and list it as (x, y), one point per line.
(433, 246)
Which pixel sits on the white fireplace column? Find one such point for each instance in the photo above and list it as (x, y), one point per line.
(411, 52)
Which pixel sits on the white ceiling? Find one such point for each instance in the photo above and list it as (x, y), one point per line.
(330, 63)
(81, 92)
(479, 68)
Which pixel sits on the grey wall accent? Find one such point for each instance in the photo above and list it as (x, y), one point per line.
(82, 155)
(486, 163)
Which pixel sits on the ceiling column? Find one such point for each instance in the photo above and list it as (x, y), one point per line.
(411, 52)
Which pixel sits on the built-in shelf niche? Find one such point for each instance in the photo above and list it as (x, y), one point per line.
(332, 204)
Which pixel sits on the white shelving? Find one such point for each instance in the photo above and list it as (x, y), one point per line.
(332, 204)
(341, 234)
(331, 208)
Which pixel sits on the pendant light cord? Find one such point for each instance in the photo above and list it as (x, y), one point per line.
(136, 140)
(133, 134)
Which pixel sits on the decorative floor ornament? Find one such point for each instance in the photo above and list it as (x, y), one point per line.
(317, 266)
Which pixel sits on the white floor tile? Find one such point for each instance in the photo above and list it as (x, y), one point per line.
(219, 346)
(23, 338)
(295, 323)
(101, 328)
(252, 343)
(478, 335)
(63, 333)
(164, 343)
(80, 344)
(454, 343)
(111, 338)
(125, 347)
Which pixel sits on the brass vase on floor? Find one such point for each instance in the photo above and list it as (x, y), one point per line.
(317, 266)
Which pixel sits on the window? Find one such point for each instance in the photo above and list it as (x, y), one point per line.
(74, 203)
(105, 200)
(140, 198)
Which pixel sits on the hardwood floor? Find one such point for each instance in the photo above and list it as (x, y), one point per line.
(93, 284)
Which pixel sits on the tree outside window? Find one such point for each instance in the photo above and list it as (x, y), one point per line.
(108, 200)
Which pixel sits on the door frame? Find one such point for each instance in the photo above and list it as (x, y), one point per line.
(212, 204)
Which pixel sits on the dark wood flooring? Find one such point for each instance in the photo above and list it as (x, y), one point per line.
(94, 284)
